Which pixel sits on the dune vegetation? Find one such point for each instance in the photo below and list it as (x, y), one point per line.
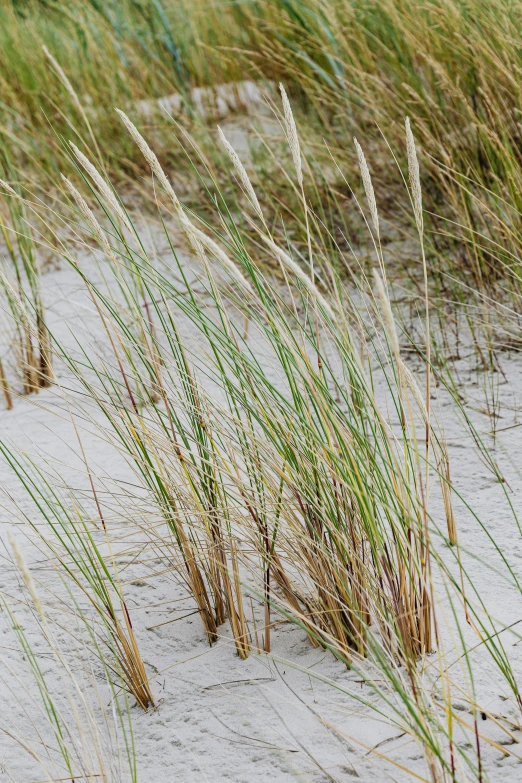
(261, 293)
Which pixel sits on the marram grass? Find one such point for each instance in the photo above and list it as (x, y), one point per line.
(269, 462)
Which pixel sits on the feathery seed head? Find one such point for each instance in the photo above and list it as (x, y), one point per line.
(293, 138)
(103, 186)
(413, 386)
(14, 297)
(413, 169)
(241, 172)
(292, 266)
(368, 185)
(26, 575)
(387, 314)
(150, 157)
(63, 78)
(222, 257)
(8, 187)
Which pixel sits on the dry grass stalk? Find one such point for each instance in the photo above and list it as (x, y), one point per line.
(88, 214)
(416, 191)
(125, 646)
(27, 359)
(414, 175)
(4, 384)
(416, 611)
(24, 297)
(237, 619)
(445, 482)
(368, 186)
(130, 661)
(292, 136)
(241, 172)
(415, 185)
(103, 187)
(26, 575)
(197, 586)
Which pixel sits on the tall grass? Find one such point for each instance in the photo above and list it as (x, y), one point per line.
(281, 443)
(72, 540)
(268, 453)
(450, 65)
(114, 53)
(350, 65)
(65, 728)
(21, 285)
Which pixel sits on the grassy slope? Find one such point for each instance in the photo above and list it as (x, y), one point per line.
(453, 66)
(346, 67)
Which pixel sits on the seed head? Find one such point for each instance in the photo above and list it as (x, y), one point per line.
(413, 386)
(26, 575)
(8, 187)
(89, 216)
(151, 159)
(293, 138)
(63, 78)
(241, 172)
(103, 186)
(415, 184)
(387, 314)
(222, 257)
(293, 267)
(368, 185)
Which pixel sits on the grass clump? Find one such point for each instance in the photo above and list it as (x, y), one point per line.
(250, 415)
(64, 729)
(256, 381)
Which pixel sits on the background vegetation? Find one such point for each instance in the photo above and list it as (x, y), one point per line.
(351, 68)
